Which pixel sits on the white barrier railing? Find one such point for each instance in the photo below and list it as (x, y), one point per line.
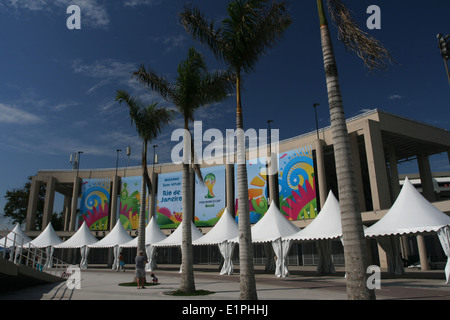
(20, 253)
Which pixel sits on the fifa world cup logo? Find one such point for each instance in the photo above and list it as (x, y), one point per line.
(210, 181)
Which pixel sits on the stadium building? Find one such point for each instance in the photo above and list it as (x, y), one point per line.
(306, 173)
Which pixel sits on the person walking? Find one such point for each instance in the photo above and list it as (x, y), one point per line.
(121, 262)
(141, 260)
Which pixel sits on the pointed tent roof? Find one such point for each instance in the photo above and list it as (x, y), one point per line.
(327, 225)
(83, 237)
(224, 230)
(153, 234)
(176, 238)
(47, 238)
(116, 237)
(411, 213)
(272, 226)
(16, 235)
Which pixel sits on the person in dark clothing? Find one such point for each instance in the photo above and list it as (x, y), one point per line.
(141, 260)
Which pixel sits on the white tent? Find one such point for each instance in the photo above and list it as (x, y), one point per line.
(81, 239)
(327, 224)
(117, 237)
(325, 227)
(153, 234)
(410, 214)
(221, 234)
(15, 240)
(273, 227)
(176, 238)
(48, 239)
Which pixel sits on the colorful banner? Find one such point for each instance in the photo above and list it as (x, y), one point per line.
(210, 200)
(130, 202)
(296, 180)
(169, 200)
(257, 190)
(94, 205)
(296, 186)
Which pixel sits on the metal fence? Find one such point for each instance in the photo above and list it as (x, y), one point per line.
(14, 249)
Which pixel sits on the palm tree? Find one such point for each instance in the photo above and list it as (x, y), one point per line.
(149, 121)
(194, 87)
(243, 37)
(374, 57)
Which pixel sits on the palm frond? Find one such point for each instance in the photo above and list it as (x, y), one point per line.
(369, 49)
(149, 119)
(202, 29)
(216, 86)
(154, 81)
(273, 23)
(133, 104)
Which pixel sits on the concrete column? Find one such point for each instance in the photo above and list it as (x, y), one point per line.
(115, 188)
(152, 200)
(404, 242)
(321, 174)
(75, 194)
(394, 177)
(448, 155)
(422, 253)
(67, 203)
(383, 258)
(32, 204)
(229, 173)
(49, 202)
(357, 168)
(379, 186)
(426, 178)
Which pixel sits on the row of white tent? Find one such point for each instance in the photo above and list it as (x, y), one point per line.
(410, 214)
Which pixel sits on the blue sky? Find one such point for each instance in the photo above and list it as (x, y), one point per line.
(57, 86)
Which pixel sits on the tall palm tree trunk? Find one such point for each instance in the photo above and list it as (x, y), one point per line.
(246, 267)
(187, 276)
(352, 228)
(141, 229)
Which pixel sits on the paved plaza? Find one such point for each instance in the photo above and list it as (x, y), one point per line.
(302, 284)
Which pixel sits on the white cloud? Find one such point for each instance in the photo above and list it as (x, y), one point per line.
(104, 68)
(107, 71)
(94, 13)
(65, 105)
(16, 116)
(172, 42)
(135, 3)
(395, 97)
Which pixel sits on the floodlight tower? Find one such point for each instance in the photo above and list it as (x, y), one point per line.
(444, 47)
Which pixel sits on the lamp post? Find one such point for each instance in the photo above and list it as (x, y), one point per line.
(315, 105)
(117, 159)
(154, 156)
(79, 161)
(270, 155)
(128, 155)
(270, 135)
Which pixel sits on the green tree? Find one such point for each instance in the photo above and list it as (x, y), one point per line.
(251, 27)
(375, 57)
(16, 206)
(194, 87)
(149, 121)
